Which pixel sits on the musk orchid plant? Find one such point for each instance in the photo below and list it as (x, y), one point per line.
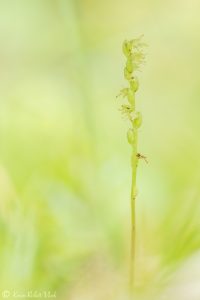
(134, 53)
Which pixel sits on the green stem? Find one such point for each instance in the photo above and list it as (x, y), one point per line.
(134, 163)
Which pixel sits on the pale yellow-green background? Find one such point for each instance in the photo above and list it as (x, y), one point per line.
(64, 159)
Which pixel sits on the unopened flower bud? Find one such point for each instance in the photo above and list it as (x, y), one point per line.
(130, 136)
(127, 74)
(129, 65)
(131, 97)
(137, 120)
(126, 47)
(134, 84)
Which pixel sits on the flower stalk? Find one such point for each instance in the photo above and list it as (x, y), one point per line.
(133, 51)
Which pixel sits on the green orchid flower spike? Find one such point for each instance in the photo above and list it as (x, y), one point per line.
(134, 53)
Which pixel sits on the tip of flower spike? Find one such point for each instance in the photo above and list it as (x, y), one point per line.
(134, 52)
(126, 48)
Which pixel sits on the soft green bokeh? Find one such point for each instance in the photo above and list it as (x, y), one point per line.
(65, 161)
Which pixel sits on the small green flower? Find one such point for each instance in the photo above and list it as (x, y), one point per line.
(137, 120)
(126, 111)
(127, 74)
(129, 65)
(134, 84)
(131, 97)
(127, 47)
(123, 93)
(130, 136)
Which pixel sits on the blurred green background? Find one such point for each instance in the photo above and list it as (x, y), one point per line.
(64, 160)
